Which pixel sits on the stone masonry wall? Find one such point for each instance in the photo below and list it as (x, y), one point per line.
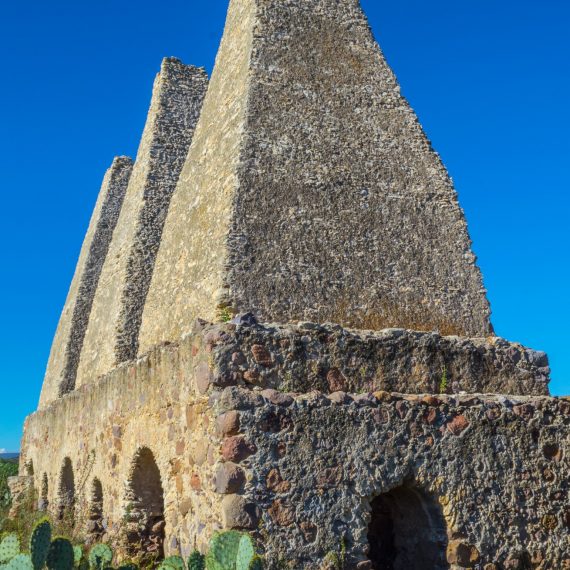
(68, 340)
(495, 467)
(325, 201)
(190, 264)
(112, 332)
(101, 427)
(301, 470)
(330, 358)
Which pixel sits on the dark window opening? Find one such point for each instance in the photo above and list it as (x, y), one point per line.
(407, 532)
(145, 509)
(66, 510)
(43, 502)
(95, 525)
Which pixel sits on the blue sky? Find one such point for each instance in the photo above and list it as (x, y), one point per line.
(489, 80)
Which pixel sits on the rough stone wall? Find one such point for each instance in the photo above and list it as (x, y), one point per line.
(68, 340)
(496, 467)
(101, 427)
(329, 358)
(301, 470)
(338, 208)
(112, 332)
(190, 265)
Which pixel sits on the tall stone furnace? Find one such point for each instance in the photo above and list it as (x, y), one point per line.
(277, 324)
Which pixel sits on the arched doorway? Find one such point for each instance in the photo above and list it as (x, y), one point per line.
(407, 531)
(95, 528)
(145, 508)
(66, 495)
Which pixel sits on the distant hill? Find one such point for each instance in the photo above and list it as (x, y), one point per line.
(9, 456)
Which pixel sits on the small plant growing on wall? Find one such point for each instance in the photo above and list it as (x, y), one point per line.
(444, 382)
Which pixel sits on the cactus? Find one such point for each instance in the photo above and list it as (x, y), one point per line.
(173, 562)
(77, 555)
(20, 562)
(60, 555)
(128, 566)
(9, 548)
(245, 553)
(223, 550)
(196, 561)
(100, 557)
(40, 541)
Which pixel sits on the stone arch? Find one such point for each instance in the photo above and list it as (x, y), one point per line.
(145, 507)
(66, 493)
(407, 531)
(95, 525)
(43, 502)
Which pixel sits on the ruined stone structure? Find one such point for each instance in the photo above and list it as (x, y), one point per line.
(277, 324)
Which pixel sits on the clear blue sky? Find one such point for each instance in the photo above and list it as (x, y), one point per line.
(489, 80)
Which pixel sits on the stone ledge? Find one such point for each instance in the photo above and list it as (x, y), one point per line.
(329, 358)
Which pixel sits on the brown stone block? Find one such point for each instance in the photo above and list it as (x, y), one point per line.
(458, 425)
(229, 478)
(237, 449)
(237, 512)
(228, 424)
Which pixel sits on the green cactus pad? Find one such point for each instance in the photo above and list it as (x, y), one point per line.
(77, 554)
(100, 557)
(175, 562)
(20, 562)
(9, 548)
(196, 561)
(60, 555)
(245, 553)
(40, 541)
(223, 551)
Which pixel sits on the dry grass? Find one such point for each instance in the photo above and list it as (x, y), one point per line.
(386, 316)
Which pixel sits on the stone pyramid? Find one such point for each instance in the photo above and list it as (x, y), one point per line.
(299, 186)
(310, 191)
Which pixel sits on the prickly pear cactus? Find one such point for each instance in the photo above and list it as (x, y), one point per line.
(60, 555)
(40, 541)
(100, 557)
(174, 562)
(9, 548)
(223, 550)
(20, 562)
(77, 555)
(196, 561)
(245, 553)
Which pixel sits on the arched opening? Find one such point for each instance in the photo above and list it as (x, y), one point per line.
(95, 526)
(145, 508)
(43, 502)
(66, 493)
(407, 531)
